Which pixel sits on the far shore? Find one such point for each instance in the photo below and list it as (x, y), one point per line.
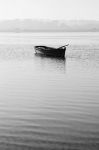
(51, 31)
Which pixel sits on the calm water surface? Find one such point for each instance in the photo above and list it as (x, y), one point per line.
(49, 103)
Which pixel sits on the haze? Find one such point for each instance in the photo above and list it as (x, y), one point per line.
(49, 9)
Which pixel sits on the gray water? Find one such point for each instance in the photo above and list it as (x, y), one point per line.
(49, 103)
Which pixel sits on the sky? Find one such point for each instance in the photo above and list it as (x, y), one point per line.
(49, 9)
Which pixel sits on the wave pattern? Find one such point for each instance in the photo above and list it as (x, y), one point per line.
(49, 103)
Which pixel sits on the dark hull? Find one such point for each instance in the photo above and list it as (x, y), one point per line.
(48, 51)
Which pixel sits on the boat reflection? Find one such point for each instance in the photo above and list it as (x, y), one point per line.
(50, 63)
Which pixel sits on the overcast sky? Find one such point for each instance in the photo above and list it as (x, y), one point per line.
(50, 9)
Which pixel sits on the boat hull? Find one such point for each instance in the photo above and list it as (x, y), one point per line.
(48, 51)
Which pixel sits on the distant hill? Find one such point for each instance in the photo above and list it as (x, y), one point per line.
(29, 25)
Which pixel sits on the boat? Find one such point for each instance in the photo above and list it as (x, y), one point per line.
(50, 51)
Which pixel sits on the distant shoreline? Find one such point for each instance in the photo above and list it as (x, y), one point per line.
(48, 31)
(33, 26)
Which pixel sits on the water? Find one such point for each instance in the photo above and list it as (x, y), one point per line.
(49, 103)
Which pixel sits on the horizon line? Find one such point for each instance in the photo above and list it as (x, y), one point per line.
(49, 19)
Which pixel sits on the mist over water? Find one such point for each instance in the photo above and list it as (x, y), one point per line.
(49, 103)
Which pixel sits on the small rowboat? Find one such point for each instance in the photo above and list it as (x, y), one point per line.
(50, 51)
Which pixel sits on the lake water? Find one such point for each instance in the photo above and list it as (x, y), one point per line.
(49, 103)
